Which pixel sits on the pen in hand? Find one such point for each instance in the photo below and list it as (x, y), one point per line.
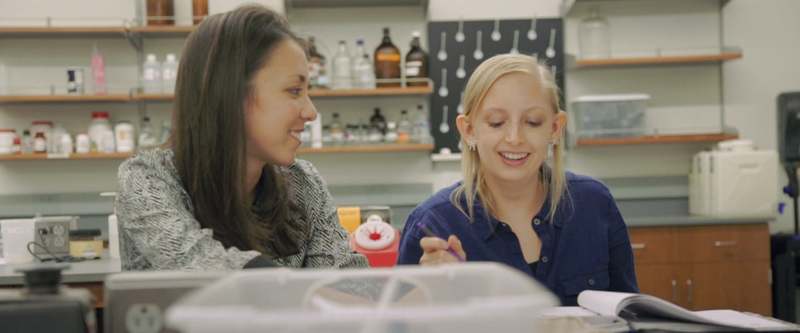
(430, 233)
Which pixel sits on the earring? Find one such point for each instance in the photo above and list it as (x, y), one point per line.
(471, 145)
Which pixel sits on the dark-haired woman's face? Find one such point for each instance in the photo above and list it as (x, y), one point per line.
(276, 113)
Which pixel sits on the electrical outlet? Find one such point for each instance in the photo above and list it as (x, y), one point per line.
(54, 235)
(143, 318)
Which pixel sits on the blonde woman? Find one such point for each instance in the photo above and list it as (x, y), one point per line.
(516, 204)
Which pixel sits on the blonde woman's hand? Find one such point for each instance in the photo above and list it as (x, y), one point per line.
(435, 251)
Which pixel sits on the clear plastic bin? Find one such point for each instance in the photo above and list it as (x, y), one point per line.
(610, 115)
(469, 297)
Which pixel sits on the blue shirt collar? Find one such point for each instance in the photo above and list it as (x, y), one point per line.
(485, 225)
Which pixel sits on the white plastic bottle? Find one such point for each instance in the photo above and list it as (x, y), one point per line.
(99, 125)
(363, 74)
(124, 136)
(169, 73)
(151, 75)
(342, 69)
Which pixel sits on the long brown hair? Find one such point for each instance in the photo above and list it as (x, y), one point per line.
(219, 61)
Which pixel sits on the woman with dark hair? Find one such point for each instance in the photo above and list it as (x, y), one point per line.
(226, 192)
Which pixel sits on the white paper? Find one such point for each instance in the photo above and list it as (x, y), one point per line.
(742, 319)
(605, 303)
(567, 311)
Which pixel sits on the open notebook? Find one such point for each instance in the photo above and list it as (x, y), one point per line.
(649, 309)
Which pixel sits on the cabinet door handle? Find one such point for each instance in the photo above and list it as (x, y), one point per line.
(638, 246)
(724, 243)
(674, 291)
(689, 287)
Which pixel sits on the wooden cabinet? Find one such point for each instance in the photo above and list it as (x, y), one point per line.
(705, 267)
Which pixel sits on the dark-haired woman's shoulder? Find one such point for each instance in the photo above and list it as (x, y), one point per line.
(328, 247)
(149, 163)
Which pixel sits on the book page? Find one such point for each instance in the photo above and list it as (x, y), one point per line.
(606, 303)
(747, 320)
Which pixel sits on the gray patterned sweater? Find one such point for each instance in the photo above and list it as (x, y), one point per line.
(158, 230)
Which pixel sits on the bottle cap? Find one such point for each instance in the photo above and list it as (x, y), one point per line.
(100, 114)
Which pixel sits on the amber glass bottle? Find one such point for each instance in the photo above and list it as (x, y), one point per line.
(387, 61)
(416, 62)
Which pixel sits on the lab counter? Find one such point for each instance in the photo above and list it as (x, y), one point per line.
(677, 221)
(78, 272)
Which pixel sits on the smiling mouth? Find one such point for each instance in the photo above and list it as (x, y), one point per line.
(296, 134)
(515, 156)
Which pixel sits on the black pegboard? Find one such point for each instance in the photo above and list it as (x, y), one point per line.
(490, 48)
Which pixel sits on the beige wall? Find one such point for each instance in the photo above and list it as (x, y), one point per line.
(769, 34)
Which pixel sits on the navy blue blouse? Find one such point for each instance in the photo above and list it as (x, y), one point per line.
(585, 247)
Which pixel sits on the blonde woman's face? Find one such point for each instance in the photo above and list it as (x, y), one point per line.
(512, 129)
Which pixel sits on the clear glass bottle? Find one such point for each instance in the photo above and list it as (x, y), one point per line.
(147, 136)
(166, 131)
(363, 73)
(317, 71)
(404, 128)
(422, 128)
(336, 130)
(169, 73)
(27, 142)
(594, 36)
(342, 68)
(378, 121)
(391, 132)
(151, 75)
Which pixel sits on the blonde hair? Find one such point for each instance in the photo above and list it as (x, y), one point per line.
(474, 183)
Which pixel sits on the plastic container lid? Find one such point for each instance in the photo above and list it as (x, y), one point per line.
(42, 122)
(469, 297)
(613, 98)
(100, 114)
(7, 130)
(151, 57)
(171, 57)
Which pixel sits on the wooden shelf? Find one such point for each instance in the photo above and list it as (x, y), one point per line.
(377, 148)
(153, 31)
(153, 97)
(661, 60)
(656, 139)
(399, 91)
(164, 31)
(89, 156)
(43, 31)
(64, 98)
(323, 93)
(568, 6)
(294, 4)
